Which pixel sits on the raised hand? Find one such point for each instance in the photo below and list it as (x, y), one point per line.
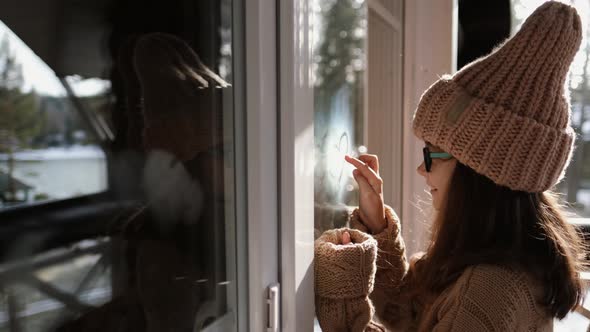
(371, 208)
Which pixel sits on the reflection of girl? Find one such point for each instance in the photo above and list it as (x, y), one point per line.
(177, 239)
(502, 256)
(174, 241)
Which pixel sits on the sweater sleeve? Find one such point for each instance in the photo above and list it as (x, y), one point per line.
(487, 298)
(393, 306)
(345, 276)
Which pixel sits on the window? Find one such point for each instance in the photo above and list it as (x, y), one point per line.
(339, 98)
(60, 284)
(47, 150)
(358, 101)
(123, 114)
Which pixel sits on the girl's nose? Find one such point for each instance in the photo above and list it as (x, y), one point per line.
(421, 169)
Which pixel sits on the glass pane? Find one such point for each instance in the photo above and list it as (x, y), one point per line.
(576, 185)
(338, 67)
(133, 103)
(56, 284)
(46, 150)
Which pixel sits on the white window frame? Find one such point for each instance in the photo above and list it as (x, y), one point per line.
(296, 166)
(260, 54)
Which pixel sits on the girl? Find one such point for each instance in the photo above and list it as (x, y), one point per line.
(502, 256)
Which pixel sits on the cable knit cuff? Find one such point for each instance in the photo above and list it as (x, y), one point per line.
(344, 271)
(391, 231)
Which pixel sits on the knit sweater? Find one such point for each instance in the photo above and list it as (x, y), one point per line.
(364, 286)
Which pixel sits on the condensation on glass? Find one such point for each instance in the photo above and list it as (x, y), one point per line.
(339, 94)
(117, 168)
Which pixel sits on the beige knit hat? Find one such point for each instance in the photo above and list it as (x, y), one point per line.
(507, 115)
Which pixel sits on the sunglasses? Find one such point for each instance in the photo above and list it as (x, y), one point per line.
(428, 156)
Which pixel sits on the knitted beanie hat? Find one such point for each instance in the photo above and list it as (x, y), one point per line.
(507, 115)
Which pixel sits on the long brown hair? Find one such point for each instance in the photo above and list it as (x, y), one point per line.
(484, 223)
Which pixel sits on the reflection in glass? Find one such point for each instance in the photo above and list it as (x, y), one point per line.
(338, 65)
(46, 150)
(56, 284)
(132, 103)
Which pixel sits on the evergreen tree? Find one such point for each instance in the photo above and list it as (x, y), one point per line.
(19, 117)
(339, 48)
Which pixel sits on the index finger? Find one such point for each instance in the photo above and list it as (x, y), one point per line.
(371, 176)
